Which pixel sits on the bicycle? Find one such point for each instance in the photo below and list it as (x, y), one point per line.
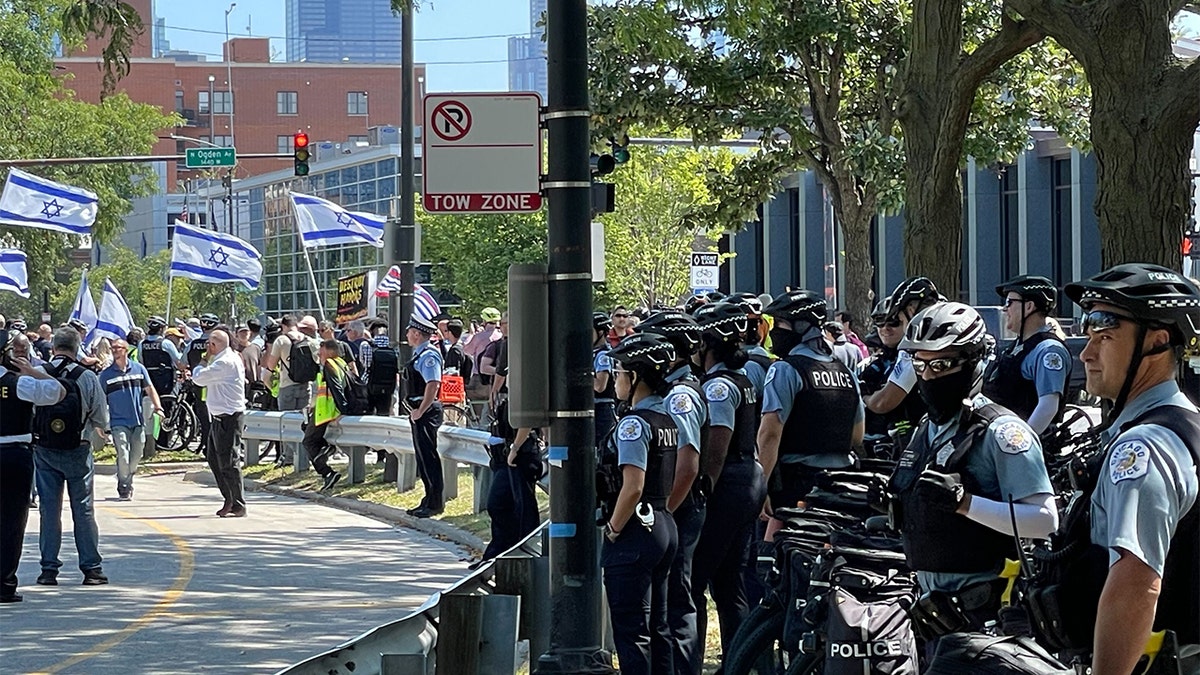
(180, 426)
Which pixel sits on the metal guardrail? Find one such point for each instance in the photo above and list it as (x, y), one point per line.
(486, 623)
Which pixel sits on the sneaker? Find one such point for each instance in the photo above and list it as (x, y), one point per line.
(331, 479)
(94, 577)
(47, 578)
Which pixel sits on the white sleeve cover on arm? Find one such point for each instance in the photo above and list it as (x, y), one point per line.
(1036, 515)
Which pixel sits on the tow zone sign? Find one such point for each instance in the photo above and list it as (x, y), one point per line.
(482, 153)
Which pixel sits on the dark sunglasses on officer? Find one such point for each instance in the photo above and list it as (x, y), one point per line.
(938, 365)
(1100, 320)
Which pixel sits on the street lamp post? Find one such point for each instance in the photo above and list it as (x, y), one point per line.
(212, 127)
(229, 69)
(367, 113)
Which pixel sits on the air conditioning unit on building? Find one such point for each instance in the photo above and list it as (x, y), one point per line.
(326, 150)
(386, 135)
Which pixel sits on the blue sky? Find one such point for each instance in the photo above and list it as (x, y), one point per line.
(454, 65)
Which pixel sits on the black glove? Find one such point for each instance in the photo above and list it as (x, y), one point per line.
(939, 490)
(878, 497)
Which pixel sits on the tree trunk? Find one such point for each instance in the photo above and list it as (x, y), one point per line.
(855, 222)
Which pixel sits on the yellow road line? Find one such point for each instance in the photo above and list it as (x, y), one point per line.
(187, 566)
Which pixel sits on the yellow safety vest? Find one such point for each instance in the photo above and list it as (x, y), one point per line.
(274, 385)
(324, 409)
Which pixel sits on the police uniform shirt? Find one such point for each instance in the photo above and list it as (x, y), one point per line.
(168, 347)
(1146, 485)
(602, 363)
(1047, 366)
(723, 398)
(428, 362)
(686, 408)
(32, 390)
(1008, 461)
(633, 434)
(903, 375)
(755, 371)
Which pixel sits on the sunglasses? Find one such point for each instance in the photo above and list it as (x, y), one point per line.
(1098, 320)
(1009, 302)
(891, 323)
(938, 366)
(619, 371)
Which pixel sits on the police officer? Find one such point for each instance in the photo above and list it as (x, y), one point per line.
(196, 350)
(21, 387)
(1141, 319)
(602, 385)
(422, 379)
(731, 463)
(685, 405)
(911, 296)
(876, 374)
(812, 415)
(759, 359)
(1030, 376)
(971, 469)
(637, 475)
(159, 356)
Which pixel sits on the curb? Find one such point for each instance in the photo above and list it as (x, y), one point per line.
(388, 514)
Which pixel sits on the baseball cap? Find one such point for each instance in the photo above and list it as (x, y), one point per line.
(307, 322)
(174, 332)
(490, 315)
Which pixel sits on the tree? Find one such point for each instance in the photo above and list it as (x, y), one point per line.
(646, 249)
(1144, 113)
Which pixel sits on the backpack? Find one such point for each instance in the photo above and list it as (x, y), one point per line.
(466, 365)
(869, 637)
(60, 426)
(302, 364)
(385, 366)
(981, 654)
(356, 396)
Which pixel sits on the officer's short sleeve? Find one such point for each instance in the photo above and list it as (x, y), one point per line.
(1142, 493)
(1048, 366)
(903, 375)
(602, 363)
(780, 389)
(1017, 454)
(723, 400)
(429, 365)
(757, 375)
(633, 441)
(689, 413)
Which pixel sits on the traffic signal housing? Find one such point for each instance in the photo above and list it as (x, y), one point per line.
(300, 153)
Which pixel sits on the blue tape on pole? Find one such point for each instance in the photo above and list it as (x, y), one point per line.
(562, 530)
(558, 452)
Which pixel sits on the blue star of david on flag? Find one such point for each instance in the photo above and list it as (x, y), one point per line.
(33, 201)
(214, 258)
(344, 218)
(48, 207)
(218, 256)
(324, 223)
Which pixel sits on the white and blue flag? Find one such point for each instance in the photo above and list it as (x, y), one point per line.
(115, 320)
(85, 308)
(14, 276)
(323, 223)
(33, 201)
(214, 258)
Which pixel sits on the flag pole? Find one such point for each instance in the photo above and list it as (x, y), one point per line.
(313, 278)
(170, 287)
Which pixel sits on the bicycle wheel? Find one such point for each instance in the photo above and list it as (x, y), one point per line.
(454, 415)
(756, 648)
(180, 426)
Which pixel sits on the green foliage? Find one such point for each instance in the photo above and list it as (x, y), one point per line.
(472, 253)
(115, 21)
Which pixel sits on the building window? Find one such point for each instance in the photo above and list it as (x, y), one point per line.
(356, 103)
(203, 103)
(179, 102)
(223, 141)
(1061, 222)
(1010, 226)
(222, 102)
(285, 103)
(283, 144)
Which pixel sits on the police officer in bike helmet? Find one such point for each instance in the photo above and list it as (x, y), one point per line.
(759, 358)
(812, 416)
(1140, 321)
(602, 384)
(876, 374)
(911, 296)
(634, 482)
(731, 464)
(685, 405)
(1030, 376)
(197, 348)
(954, 482)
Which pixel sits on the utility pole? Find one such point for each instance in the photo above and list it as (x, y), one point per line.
(575, 606)
(404, 245)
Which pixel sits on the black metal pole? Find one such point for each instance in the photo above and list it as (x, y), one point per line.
(404, 243)
(229, 224)
(575, 597)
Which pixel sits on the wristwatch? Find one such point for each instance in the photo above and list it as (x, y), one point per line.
(611, 534)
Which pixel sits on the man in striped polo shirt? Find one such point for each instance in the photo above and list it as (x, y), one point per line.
(125, 382)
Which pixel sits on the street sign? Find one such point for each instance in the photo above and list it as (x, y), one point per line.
(484, 154)
(203, 158)
(705, 271)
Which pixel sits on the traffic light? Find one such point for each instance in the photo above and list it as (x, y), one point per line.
(620, 148)
(602, 165)
(300, 152)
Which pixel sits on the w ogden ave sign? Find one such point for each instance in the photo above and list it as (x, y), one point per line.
(482, 153)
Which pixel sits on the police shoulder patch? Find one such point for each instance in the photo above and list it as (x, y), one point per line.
(770, 375)
(1014, 437)
(716, 390)
(630, 429)
(681, 404)
(429, 361)
(1128, 460)
(603, 361)
(1052, 361)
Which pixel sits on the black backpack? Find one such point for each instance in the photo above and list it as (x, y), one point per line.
(385, 365)
(981, 654)
(60, 426)
(302, 365)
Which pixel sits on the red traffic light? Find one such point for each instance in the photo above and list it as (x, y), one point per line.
(300, 140)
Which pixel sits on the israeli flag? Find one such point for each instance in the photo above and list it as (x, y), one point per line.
(214, 258)
(14, 276)
(115, 320)
(85, 307)
(32, 201)
(323, 223)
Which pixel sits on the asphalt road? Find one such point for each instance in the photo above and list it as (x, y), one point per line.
(190, 592)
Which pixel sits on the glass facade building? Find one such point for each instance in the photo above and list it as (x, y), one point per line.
(331, 31)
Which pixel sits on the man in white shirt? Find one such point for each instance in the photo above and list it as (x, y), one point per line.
(222, 374)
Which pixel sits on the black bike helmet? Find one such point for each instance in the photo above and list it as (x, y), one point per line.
(1039, 290)
(155, 323)
(209, 321)
(749, 303)
(1148, 292)
(7, 339)
(677, 327)
(648, 355)
(601, 322)
(724, 321)
(912, 289)
(694, 303)
(798, 305)
(947, 325)
(18, 324)
(880, 313)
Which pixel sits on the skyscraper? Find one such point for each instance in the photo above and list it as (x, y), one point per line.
(527, 54)
(330, 31)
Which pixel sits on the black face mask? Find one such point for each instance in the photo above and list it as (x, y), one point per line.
(783, 341)
(944, 395)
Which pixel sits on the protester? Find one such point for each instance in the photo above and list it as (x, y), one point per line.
(125, 382)
(295, 354)
(330, 403)
(222, 374)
